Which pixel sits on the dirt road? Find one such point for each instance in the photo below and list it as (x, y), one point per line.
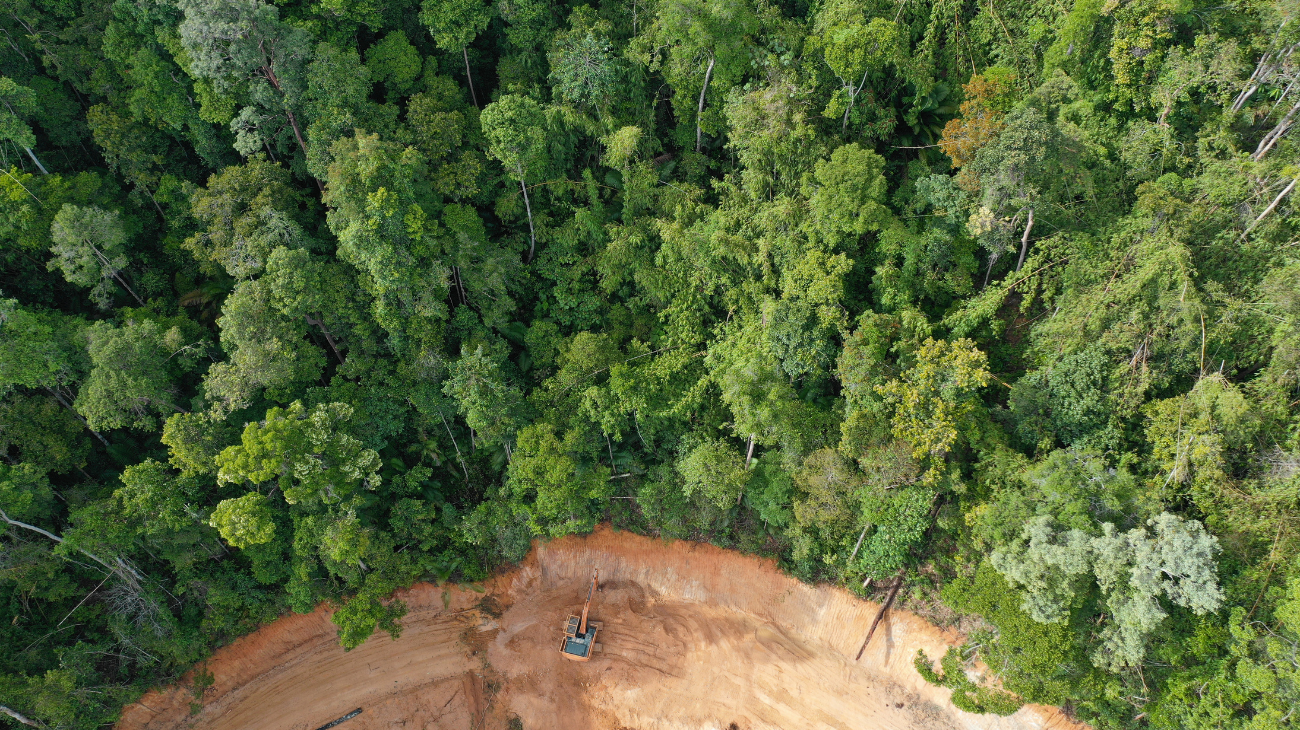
(694, 637)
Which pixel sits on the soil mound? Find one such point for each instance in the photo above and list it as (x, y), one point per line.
(694, 637)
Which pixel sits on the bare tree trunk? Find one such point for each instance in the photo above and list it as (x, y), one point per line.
(749, 454)
(532, 235)
(1024, 241)
(993, 259)
(1268, 63)
(38, 162)
(63, 401)
(1273, 136)
(454, 444)
(297, 132)
(859, 545)
(699, 110)
(853, 98)
(128, 289)
(465, 52)
(460, 285)
(328, 337)
(1270, 207)
(20, 717)
(121, 569)
(893, 592)
(107, 265)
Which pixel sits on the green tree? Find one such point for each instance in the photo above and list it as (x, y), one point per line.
(483, 270)
(704, 46)
(309, 455)
(18, 102)
(565, 493)
(394, 62)
(244, 521)
(42, 433)
(492, 406)
(247, 211)
(132, 376)
(454, 24)
(716, 470)
(584, 70)
(269, 353)
(847, 197)
(89, 247)
(44, 350)
(854, 47)
(242, 47)
(936, 400)
(515, 129)
(384, 214)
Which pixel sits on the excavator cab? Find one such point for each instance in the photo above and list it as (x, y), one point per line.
(579, 641)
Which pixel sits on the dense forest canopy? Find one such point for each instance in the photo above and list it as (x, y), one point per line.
(307, 300)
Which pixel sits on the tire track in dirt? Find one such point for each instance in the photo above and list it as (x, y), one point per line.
(694, 637)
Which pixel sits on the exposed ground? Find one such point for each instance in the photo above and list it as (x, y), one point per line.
(694, 637)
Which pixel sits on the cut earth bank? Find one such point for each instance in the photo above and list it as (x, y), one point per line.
(694, 637)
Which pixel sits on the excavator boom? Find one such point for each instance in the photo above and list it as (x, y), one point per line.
(582, 628)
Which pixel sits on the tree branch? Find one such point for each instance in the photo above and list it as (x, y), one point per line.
(20, 717)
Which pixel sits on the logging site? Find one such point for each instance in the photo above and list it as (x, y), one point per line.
(691, 636)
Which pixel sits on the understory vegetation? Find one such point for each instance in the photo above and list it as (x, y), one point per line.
(308, 300)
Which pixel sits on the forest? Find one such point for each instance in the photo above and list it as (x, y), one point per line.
(304, 301)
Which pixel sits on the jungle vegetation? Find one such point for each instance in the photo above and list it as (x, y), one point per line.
(308, 300)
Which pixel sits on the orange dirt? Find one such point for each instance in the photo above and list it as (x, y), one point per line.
(694, 637)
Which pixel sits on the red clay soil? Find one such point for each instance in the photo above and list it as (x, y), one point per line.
(694, 637)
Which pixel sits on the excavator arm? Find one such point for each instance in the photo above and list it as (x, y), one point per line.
(582, 627)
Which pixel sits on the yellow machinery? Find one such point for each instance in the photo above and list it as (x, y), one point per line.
(579, 634)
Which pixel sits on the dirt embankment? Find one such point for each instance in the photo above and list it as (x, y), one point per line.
(694, 637)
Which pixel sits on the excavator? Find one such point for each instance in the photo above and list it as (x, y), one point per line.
(580, 634)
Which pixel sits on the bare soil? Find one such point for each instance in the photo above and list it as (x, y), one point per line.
(694, 637)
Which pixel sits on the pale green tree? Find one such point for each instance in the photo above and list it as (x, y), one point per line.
(242, 47)
(1169, 557)
(89, 247)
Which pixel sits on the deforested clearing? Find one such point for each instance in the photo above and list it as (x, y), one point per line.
(694, 637)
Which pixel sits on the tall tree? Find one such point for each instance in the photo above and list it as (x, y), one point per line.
(242, 47)
(454, 24)
(89, 247)
(515, 128)
(18, 102)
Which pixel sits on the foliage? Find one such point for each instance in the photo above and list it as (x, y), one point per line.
(1002, 295)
